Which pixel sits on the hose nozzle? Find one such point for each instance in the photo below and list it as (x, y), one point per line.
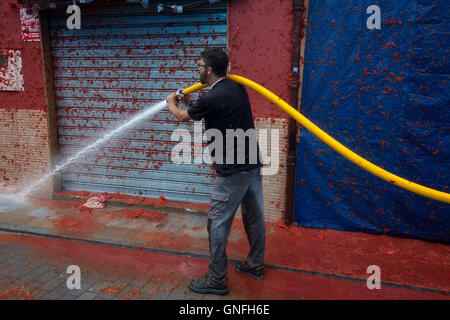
(180, 94)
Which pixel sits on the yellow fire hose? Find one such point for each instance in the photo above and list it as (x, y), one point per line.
(338, 147)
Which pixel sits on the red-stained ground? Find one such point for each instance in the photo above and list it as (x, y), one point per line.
(19, 293)
(173, 269)
(406, 262)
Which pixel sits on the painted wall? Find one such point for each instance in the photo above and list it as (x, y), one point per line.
(24, 141)
(33, 97)
(260, 41)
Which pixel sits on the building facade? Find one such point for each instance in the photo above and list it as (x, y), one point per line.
(125, 57)
(373, 76)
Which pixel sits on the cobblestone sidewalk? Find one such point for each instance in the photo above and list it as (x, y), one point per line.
(23, 276)
(35, 267)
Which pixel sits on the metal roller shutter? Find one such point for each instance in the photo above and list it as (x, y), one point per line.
(125, 59)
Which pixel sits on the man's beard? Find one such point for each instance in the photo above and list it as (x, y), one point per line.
(203, 78)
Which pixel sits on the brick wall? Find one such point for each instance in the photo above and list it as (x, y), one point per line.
(274, 186)
(24, 154)
(24, 149)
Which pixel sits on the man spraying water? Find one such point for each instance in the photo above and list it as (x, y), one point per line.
(227, 107)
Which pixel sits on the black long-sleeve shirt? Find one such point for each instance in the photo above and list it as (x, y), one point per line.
(227, 106)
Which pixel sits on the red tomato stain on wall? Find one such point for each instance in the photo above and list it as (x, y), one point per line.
(34, 96)
(261, 51)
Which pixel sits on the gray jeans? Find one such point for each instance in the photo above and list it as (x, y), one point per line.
(243, 188)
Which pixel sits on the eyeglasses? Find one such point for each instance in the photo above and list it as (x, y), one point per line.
(201, 65)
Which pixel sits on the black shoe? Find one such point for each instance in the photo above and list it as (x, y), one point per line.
(207, 285)
(256, 272)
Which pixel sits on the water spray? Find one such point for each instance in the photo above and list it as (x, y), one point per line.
(140, 116)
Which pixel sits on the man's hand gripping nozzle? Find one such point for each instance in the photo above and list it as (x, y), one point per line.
(180, 94)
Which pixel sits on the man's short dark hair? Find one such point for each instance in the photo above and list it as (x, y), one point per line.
(217, 59)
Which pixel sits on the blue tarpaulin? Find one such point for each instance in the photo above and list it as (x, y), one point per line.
(384, 94)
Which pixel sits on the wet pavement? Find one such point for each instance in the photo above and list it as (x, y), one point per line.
(126, 251)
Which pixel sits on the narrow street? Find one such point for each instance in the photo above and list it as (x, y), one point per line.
(150, 254)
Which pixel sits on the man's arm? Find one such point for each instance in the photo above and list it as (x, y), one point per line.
(180, 114)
